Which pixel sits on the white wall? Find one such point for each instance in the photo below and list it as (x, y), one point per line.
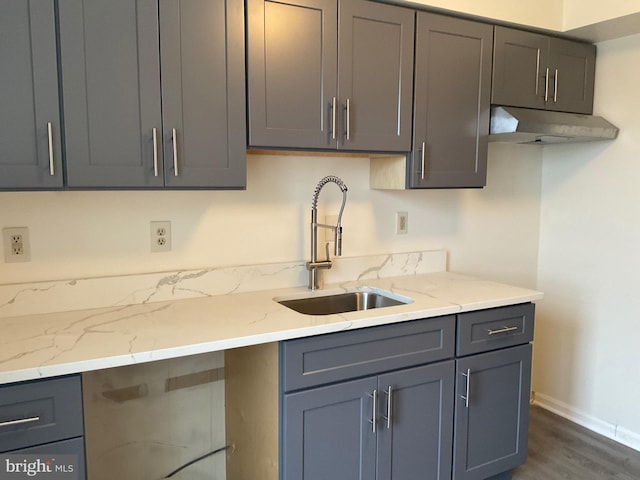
(539, 13)
(578, 13)
(586, 349)
(490, 232)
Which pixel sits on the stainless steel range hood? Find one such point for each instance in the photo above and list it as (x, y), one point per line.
(541, 127)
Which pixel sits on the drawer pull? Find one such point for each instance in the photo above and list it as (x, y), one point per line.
(19, 422)
(502, 330)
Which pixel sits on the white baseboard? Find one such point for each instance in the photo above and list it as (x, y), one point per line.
(609, 430)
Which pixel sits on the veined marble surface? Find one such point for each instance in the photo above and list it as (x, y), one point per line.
(45, 345)
(86, 293)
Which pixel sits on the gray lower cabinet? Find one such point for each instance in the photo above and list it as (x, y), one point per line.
(452, 103)
(44, 418)
(397, 424)
(338, 76)
(369, 404)
(416, 430)
(327, 434)
(30, 153)
(532, 70)
(153, 93)
(380, 403)
(493, 385)
(492, 412)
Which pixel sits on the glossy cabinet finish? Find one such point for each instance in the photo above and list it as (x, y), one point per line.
(338, 76)
(126, 129)
(532, 70)
(30, 153)
(452, 103)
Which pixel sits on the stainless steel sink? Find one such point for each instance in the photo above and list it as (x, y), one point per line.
(365, 299)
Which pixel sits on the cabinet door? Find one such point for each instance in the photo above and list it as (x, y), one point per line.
(572, 71)
(29, 111)
(416, 431)
(492, 412)
(327, 434)
(111, 89)
(452, 102)
(202, 45)
(292, 73)
(519, 68)
(375, 65)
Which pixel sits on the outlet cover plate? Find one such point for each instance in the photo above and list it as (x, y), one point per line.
(160, 236)
(402, 223)
(17, 247)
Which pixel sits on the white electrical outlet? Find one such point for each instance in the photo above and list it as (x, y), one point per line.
(402, 223)
(160, 232)
(16, 244)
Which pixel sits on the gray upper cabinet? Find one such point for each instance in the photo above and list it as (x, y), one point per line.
(110, 61)
(338, 76)
(292, 72)
(203, 93)
(532, 70)
(126, 129)
(452, 103)
(30, 153)
(375, 83)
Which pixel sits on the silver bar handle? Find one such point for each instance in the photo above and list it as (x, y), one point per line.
(466, 397)
(374, 416)
(424, 147)
(155, 152)
(175, 151)
(52, 171)
(538, 72)
(348, 108)
(502, 330)
(555, 88)
(389, 393)
(19, 422)
(546, 86)
(333, 119)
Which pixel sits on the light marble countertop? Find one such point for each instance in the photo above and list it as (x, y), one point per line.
(46, 345)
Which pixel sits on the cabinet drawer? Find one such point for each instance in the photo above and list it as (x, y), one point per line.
(502, 327)
(39, 412)
(333, 357)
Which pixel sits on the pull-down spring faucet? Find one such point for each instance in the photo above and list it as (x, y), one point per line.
(314, 265)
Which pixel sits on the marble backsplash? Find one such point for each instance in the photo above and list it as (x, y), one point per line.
(87, 293)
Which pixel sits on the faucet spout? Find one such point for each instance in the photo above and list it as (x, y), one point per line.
(314, 264)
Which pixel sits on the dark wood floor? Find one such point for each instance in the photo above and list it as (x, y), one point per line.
(560, 450)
